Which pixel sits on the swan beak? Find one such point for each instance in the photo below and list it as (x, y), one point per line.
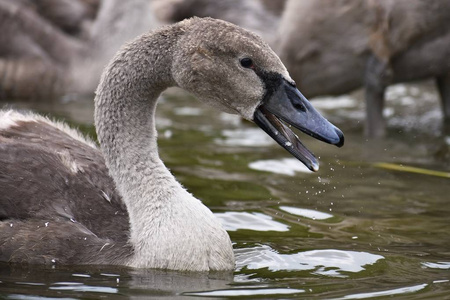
(287, 105)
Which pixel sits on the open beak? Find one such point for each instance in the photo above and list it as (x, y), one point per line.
(287, 105)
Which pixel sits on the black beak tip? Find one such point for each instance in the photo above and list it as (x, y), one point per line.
(340, 134)
(314, 166)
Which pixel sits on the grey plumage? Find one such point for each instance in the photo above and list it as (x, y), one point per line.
(50, 209)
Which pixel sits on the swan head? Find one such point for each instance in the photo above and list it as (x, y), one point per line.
(235, 71)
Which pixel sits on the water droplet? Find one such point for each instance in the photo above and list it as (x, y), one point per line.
(168, 134)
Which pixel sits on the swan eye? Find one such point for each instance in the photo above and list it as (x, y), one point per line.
(247, 62)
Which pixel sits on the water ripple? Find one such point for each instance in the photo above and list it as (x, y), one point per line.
(328, 262)
(307, 213)
(247, 292)
(444, 265)
(233, 221)
(285, 166)
(403, 290)
(248, 137)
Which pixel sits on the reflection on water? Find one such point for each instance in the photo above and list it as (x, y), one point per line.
(77, 287)
(91, 282)
(327, 262)
(388, 293)
(445, 265)
(357, 229)
(249, 137)
(285, 166)
(307, 213)
(233, 221)
(247, 292)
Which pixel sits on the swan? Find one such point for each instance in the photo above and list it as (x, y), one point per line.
(369, 44)
(250, 14)
(65, 201)
(32, 45)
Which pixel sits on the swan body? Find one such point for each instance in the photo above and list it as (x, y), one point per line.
(65, 201)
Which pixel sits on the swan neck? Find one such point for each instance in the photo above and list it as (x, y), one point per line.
(126, 100)
(125, 122)
(169, 228)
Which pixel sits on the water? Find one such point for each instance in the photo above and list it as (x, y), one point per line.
(367, 225)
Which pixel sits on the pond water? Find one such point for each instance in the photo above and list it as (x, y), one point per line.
(372, 223)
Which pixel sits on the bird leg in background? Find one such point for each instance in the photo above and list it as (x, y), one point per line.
(443, 84)
(377, 77)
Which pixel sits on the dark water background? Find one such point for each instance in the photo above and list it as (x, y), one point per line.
(372, 223)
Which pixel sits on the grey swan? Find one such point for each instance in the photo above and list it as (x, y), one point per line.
(369, 44)
(64, 201)
(34, 46)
